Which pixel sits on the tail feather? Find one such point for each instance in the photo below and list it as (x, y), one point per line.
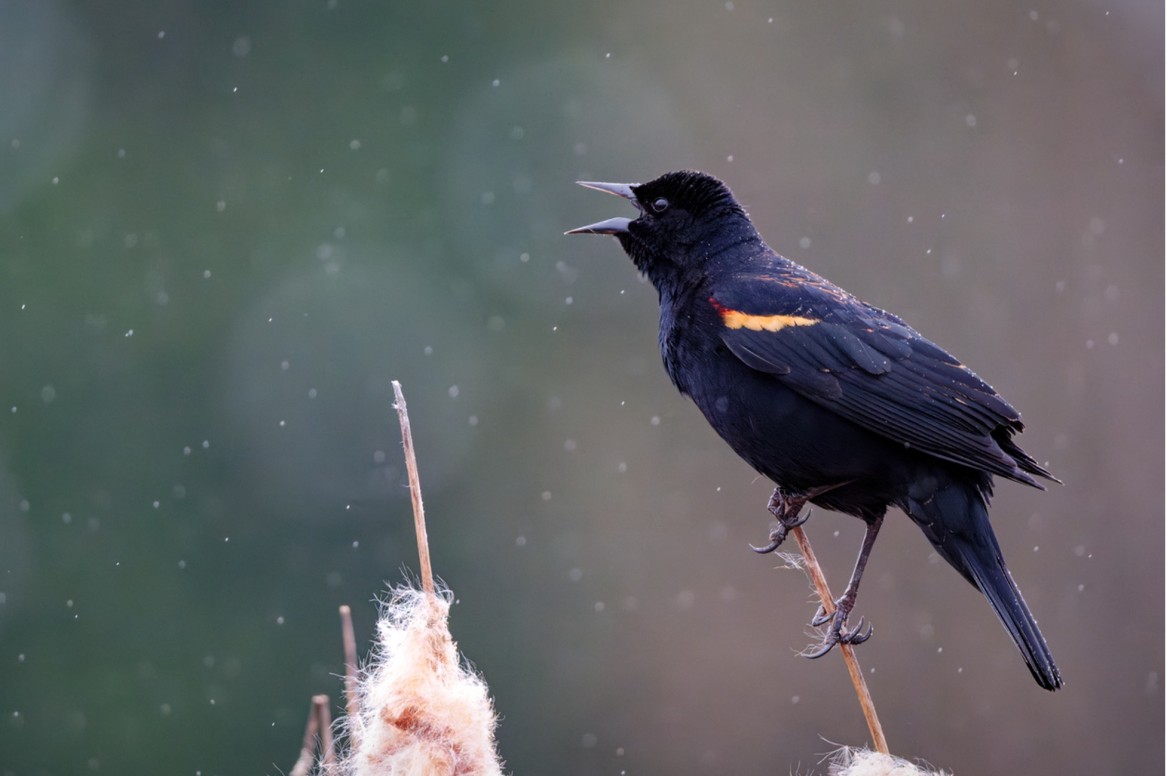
(955, 520)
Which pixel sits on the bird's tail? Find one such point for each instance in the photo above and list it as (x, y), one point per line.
(955, 520)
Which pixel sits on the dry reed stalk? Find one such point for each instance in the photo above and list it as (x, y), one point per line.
(859, 685)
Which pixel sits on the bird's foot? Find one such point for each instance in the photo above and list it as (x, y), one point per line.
(779, 532)
(785, 507)
(839, 631)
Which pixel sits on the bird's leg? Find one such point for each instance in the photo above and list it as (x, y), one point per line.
(838, 633)
(785, 507)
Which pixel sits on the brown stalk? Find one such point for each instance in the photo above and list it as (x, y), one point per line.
(859, 685)
(349, 645)
(420, 521)
(319, 726)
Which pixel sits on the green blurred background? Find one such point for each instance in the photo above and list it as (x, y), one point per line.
(225, 227)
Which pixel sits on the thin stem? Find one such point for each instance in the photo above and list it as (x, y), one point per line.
(325, 724)
(304, 763)
(349, 645)
(420, 521)
(859, 685)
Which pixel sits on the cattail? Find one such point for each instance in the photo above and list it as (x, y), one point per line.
(848, 761)
(423, 711)
(420, 709)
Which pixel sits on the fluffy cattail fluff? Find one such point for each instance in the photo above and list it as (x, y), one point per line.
(423, 710)
(848, 761)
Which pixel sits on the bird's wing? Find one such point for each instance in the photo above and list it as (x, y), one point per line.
(872, 369)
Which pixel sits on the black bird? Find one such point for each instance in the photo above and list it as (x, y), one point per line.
(837, 402)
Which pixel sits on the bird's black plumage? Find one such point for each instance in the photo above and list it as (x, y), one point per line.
(836, 401)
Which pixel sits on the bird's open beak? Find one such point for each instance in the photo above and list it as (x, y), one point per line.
(612, 225)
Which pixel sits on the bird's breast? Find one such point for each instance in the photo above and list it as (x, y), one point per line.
(688, 337)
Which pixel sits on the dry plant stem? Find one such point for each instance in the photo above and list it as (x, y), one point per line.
(349, 644)
(420, 522)
(319, 724)
(321, 704)
(304, 764)
(859, 685)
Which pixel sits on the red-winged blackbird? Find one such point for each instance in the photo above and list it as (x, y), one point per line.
(837, 402)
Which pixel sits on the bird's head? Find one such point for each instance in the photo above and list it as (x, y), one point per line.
(684, 219)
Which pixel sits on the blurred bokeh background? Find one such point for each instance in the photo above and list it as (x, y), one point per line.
(225, 227)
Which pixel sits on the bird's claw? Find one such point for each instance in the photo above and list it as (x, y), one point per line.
(824, 650)
(775, 538)
(855, 636)
(767, 549)
(779, 532)
(838, 635)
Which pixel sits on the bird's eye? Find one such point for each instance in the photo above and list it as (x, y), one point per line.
(660, 204)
